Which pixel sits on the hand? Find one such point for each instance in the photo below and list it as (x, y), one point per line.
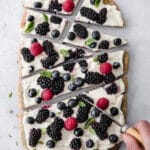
(144, 129)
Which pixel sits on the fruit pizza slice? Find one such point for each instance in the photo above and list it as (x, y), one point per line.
(42, 24)
(75, 124)
(43, 54)
(104, 12)
(47, 85)
(65, 7)
(82, 36)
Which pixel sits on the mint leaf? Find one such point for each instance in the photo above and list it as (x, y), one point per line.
(65, 53)
(81, 104)
(43, 130)
(95, 59)
(29, 27)
(89, 122)
(47, 74)
(45, 17)
(41, 142)
(92, 131)
(89, 41)
(10, 94)
(97, 3)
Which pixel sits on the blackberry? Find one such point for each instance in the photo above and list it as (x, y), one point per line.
(102, 16)
(82, 114)
(80, 30)
(69, 66)
(58, 123)
(79, 53)
(68, 111)
(27, 56)
(34, 137)
(112, 89)
(83, 63)
(55, 6)
(44, 82)
(75, 144)
(109, 78)
(48, 47)
(89, 13)
(93, 78)
(103, 58)
(105, 120)
(42, 115)
(104, 44)
(42, 28)
(56, 19)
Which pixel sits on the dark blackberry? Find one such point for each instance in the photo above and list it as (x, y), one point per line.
(42, 28)
(27, 56)
(102, 16)
(103, 58)
(109, 78)
(80, 30)
(89, 13)
(44, 82)
(69, 66)
(68, 111)
(117, 42)
(112, 89)
(75, 144)
(105, 120)
(56, 19)
(83, 63)
(104, 44)
(42, 115)
(79, 53)
(58, 123)
(93, 78)
(55, 6)
(82, 114)
(48, 47)
(34, 137)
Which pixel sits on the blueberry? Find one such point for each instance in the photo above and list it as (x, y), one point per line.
(31, 69)
(92, 2)
(84, 69)
(90, 143)
(55, 33)
(30, 120)
(113, 138)
(38, 100)
(72, 102)
(55, 74)
(66, 77)
(116, 65)
(72, 87)
(50, 144)
(51, 114)
(96, 35)
(71, 36)
(61, 105)
(79, 82)
(95, 113)
(30, 18)
(78, 132)
(93, 45)
(114, 111)
(32, 93)
(34, 41)
(37, 4)
(117, 42)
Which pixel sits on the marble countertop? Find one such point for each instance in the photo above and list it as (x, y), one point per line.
(137, 31)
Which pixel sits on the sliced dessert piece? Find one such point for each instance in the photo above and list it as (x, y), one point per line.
(104, 12)
(92, 39)
(75, 124)
(42, 24)
(71, 77)
(43, 54)
(65, 7)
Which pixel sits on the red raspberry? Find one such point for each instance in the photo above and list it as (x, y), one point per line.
(71, 123)
(47, 95)
(68, 6)
(36, 49)
(105, 68)
(45, 106)
(103, 103)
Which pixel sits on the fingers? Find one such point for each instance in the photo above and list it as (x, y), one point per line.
(131, 143)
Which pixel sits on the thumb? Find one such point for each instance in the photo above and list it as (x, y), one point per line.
(131, 143)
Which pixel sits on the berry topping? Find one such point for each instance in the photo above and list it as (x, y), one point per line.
(109, 78)
(55, 74)
(36, 49)
(71, 36)
(44, 82)
(79, 53)
(117, 42)
(80, 30)
(72, 103)
(34, 137)
(68, 6)
(114, 111)
(102, 16)
(32, 93)
(72, 87)
(82, 114)
(78, 132)
(104, 45)
(31, 69)
(55, 33)
(30, 18)
(50, 144)
(61, 105)
(71, 123)
(89, 143)
(55, 19)
(34, 41)
(68, 67)
(51, 114)
(84, 69)
(37, 4)
(38, 100)
(93, 45)
(92, 2)
(96, 35)
(79, 82)
(47, 94)
(66, 77)
(103, 58)
(112, 89)
(105, 68)
(55, 6)
(95, 113)
(113, 138)
(48, 47)
(27, 56)
(83, 63)
(103, 103)
(30, 120)
(75, 144)
(116, 65)
(68, 111)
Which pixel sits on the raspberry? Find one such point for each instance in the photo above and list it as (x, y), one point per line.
(36, 49)
(47, 95)
(103, 103)
(68, 6)
(70, 124)
(105, 68)
(75, 144)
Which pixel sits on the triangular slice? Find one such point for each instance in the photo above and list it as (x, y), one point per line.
(37, 54)
(104, 12)
(105, 68)
(65, 7)
(95, 40)
(42, 24)
(55, 130)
